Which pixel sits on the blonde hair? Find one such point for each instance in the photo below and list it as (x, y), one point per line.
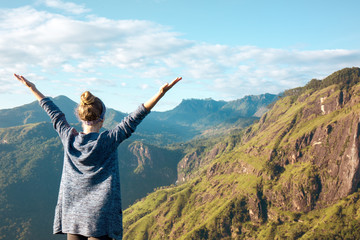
(90, 107)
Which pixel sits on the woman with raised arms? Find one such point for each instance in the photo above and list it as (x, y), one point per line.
(89, 201)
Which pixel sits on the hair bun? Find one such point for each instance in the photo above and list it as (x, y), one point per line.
(87, 98)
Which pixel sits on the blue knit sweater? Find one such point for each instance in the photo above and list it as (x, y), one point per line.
(89, 201)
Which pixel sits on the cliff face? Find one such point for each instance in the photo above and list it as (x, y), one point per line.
(293, 174)
(144, 167)
(190, 164)
(142, 156)
(322, 141)
(315, 138)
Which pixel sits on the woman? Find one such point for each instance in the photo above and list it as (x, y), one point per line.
(89, 201)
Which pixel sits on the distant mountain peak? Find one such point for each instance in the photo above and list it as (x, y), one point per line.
(32, 112)
(62, 97)
(195, 104)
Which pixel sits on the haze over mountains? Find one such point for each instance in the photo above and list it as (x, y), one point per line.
(31, 155)
(291, 174)
(190, 118)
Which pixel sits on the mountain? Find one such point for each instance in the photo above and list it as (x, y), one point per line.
(191, 118)
(31, 159)
(201, 114)
(30, 169)
(292, 175)
(204, 117)
(32, 113)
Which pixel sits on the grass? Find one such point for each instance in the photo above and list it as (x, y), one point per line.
(202, 207)
(339, 221)
(192, 211)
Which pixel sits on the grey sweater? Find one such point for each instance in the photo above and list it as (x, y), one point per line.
(89, 201)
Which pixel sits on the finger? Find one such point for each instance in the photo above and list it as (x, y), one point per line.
(17, 76)
(175, 81)
(165, 86)
(20, 79)
(23, 80)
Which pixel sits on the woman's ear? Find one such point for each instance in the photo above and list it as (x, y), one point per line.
(101, 123)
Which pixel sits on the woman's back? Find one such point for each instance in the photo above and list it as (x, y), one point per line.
(89, 202)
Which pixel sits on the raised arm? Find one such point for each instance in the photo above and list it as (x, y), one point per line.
(166, 87)
(39, 96)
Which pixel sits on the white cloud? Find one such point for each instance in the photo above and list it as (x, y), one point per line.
(238, 71)
(40, 42)
(69, 68)
(87, 82)
(157, 72)
(144, 86)
(66, 6)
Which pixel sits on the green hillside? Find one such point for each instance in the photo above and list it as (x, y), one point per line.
(30, 169)
(31, 158)
(292, 175)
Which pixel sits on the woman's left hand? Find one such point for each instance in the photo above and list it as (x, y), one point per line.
(166, 87)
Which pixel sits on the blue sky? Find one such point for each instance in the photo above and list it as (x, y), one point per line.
(123, 51)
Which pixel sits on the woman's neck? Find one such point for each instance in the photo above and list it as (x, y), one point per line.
(91, 128)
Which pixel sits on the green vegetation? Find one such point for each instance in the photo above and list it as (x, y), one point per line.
(340, 221)
(291, 175)
(198, 212)
(30, 167)
(30, 170)
(270, 184)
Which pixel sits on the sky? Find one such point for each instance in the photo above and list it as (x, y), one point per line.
(124, 50)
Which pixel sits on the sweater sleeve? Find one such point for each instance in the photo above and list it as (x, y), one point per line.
(127, 126)
(56, 115)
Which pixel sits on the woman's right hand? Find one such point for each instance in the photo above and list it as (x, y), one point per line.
(25, 81)
(32, 87)
(166, 87)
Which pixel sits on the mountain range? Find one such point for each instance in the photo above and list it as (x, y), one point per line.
(189, 119)
(261, 167)
(31, 155)
(292, 175)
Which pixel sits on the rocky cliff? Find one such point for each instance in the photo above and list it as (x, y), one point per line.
(314, 152)
(294, 174)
